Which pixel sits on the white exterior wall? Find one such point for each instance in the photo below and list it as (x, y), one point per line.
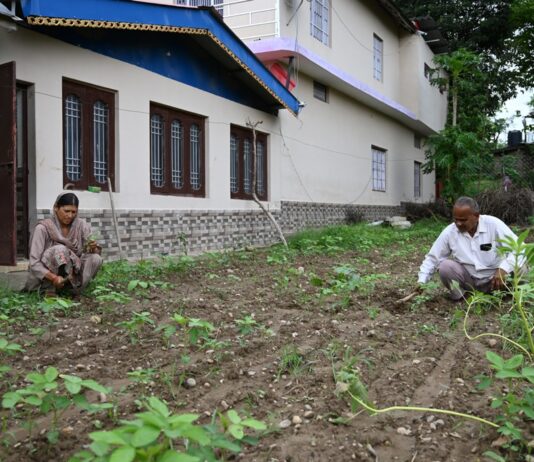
(418, 94)
(326, 154)
(352, 25)
(44, 62)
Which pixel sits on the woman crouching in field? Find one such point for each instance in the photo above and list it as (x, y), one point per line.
(63, 253)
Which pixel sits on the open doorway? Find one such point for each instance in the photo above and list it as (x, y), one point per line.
(14, 166)
(22, 172)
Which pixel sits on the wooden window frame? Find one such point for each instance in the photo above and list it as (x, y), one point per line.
(187, 120)
(88, 96)
(242, 133)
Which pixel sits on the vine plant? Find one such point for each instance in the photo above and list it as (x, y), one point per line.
(517, 404)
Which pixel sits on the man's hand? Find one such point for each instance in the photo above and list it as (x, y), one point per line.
(498, 280)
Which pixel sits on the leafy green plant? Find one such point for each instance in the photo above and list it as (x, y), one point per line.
(53, 392)
(109, 294)
(236, 426)
(143, 376)
(516, 403)
(136, 284)
(135, 324)
(158, 435)
(247, 325)
(7, 348)
(197, 329)
(50, 305)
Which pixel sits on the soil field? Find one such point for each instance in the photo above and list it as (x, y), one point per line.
(284, 328)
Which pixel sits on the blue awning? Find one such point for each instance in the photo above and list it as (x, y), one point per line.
(138, 32)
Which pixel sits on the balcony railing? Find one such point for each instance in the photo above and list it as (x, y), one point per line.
(249, 19)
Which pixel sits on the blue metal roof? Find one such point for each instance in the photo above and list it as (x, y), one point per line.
(190, 45)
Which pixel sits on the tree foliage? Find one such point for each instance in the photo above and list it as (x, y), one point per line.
(522, 42)
(488, 28)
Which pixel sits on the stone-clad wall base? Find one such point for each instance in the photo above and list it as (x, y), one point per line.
(148, 233)
(300, 215)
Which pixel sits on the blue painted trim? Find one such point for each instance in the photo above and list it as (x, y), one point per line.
(147, 13)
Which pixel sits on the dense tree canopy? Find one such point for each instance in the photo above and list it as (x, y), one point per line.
(500, 32)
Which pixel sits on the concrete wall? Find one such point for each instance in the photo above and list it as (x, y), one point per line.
(418, 94)
(326, 153)
(353, 23)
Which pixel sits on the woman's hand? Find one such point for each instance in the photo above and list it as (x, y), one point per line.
(93, 247)
(58, 282)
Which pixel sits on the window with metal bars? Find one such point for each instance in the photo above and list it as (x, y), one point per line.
(242, 163)
(176, 152)
(88, 135)
(320, 20)
(378, 58)
(417, 179)
(379, 169)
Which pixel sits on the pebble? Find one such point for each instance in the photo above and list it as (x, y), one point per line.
(80, 367)
(224, 405)
(309, 414)
(207, 385)
(251, 373)
(492, 342)
(285, 423)
(296, 420)
(190, 383)
(404, 431)
(416, 361)
(95, 319)
(67, 430)
(371, 333)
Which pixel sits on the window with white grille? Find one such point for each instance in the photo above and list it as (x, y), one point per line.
(176, 152)
(213, 3)
(88, 135)
(417, 179)
(378, 58)
(242, 165)
(320, 20)
(379, 169)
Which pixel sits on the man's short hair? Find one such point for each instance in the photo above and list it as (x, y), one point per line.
(469, 202)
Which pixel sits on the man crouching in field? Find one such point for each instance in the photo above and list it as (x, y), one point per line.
(466, 251)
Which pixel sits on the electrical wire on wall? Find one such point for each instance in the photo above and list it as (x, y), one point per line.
(365, 47)
(286, 148)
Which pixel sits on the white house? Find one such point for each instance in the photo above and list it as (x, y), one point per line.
(157, 96)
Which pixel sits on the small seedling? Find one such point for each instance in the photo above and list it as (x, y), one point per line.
(291, 361)
(247, 325)
(135, 324)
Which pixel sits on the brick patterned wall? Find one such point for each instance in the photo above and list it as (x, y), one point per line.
(299, 215)
(146, 233)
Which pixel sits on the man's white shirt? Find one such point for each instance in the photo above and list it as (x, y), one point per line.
(477, 253)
